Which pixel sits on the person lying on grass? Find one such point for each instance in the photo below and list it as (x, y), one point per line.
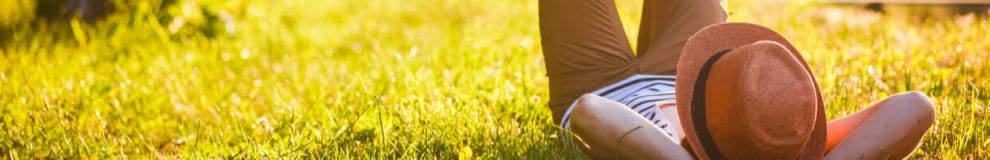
(755, 97)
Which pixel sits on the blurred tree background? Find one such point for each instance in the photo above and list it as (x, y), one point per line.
(182, 18)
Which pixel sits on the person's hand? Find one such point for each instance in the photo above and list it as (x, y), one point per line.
(669, 110)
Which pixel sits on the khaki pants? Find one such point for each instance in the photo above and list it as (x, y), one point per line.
(585, 47)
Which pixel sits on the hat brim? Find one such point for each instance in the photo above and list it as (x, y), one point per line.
(720, 37)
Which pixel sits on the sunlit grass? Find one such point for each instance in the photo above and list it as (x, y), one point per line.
(386, 78)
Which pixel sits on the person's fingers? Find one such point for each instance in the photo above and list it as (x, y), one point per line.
(669, 110)
(666, 104)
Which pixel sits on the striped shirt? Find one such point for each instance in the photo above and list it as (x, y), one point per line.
(641, 93)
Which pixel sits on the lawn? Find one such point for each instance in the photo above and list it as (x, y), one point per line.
(386, 79)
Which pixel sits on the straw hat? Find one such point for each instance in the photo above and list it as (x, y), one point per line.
(743, 92)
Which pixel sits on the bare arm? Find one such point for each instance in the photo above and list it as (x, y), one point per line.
(890, 129)
(600, 122)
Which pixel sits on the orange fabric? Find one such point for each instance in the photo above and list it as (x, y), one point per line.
(840, 128)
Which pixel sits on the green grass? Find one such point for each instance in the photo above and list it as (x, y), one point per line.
(405, 79)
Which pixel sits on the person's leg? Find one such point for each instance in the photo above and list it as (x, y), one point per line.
(601, 123)
(666, 25)
(892, 128)
(584, 47)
